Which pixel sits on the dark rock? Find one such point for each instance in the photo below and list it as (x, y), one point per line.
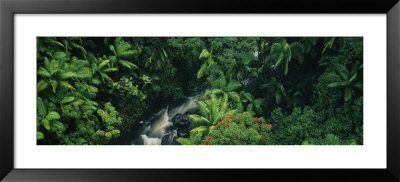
(169, 138)
(181, 123)
(180, 120)
(183, 133)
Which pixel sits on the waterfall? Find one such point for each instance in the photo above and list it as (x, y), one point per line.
(160, 123)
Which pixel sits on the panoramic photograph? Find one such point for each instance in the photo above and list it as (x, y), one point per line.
(199, 91)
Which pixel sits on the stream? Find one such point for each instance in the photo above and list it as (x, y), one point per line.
(166, 125)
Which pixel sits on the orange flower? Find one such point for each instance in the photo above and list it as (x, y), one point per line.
(256, 123)
(261, 118)
(221, 122)
(269, 126)
(267, 137)
(228, 115)
(255, 118)
(206, 140)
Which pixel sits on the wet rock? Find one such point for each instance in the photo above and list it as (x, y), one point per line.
(180, 120)
(183, 133)
(170, 138)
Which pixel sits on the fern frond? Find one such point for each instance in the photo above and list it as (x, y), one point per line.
(234, 96)
(232, 86)
(198, 120)
(203, 110)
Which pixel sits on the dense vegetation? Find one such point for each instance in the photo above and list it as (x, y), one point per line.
(251, 90)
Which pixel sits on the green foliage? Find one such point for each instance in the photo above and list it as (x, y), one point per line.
(92, 90)
(239, 129)
(294, 128)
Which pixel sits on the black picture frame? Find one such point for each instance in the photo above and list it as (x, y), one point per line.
(8, 8)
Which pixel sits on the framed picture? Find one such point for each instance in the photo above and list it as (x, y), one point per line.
(277, 90)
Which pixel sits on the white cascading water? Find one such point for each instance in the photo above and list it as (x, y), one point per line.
(153, 134)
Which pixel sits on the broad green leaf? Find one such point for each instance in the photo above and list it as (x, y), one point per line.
(65, 84)
(353, 77)
(41, 108)
(54, 85)
(41, 85)
(80, 102)
(43, 72)
(93, 89)
(53, 67)
(67, 100)
(103, 63)
(288, 52)
(52, 116)
(286, 68)
(204, 54)
(127, 64)
(332, 77)
(46, 124)
(200, 73)
(57, 125)
(337, 84)
(75, 45)
(39, 135)
(342, 71)
(96, 81)
(78, 63)
(278, 60)
(107, 70)
(113, 49)
(84, 72)
(165, 53)
(60, 56)
(69, 74)
(328, 44)
(199, 129)
(52, 41)
(347, 94)
(184, 141)
(103, 75)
